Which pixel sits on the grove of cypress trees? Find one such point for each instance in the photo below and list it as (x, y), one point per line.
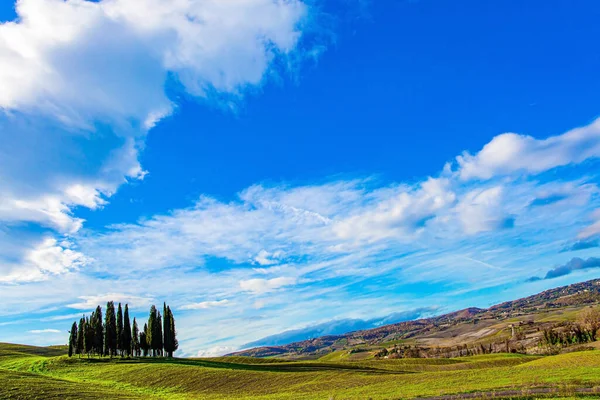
(110, 330)
(81, 337)
(120, 330)
(135, 339)
(73, 339)
(126, 335)
(116, 335)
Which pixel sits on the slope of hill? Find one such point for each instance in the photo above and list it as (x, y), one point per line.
(35, 373)
(526, 316)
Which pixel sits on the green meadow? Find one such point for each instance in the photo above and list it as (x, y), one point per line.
(28, 372)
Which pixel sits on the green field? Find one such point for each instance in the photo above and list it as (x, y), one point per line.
(45, 373)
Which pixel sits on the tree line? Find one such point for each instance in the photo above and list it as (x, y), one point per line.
(115, 335)
(564, 334)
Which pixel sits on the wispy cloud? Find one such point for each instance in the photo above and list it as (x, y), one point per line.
(261, 286)
(205, 305)
(42, 331)
(90, 302)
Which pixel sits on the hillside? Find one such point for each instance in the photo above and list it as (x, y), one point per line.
(470, 327)
(39, 373)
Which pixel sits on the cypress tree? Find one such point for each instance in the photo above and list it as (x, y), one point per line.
(73, 339)
(119, 330)
(174, 343)
(165, 328)
(135, 339)
(110, 330)
(160, 342)
(170, 335)
(152, 332)
(126, 338)
(144, 340)
(89, 335)
(98, 342)
(81, 337)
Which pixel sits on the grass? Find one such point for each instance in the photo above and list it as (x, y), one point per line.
(46, 373)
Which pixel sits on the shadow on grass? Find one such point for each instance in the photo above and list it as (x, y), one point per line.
(268, 367)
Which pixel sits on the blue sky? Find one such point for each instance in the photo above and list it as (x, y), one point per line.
(267, 165)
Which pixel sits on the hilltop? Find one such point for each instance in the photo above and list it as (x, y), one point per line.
(520, 321)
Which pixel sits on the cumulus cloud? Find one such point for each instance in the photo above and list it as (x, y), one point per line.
(43, 260)
(73, 120)
(400, 211)
(479, 211)
(59, 55)
(205, 305)
(513, 153)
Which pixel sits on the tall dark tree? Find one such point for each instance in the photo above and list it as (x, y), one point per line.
(81, 337)
(170, 336)
(159, 328)
(135, 339)
(89, 335)
(98, 331)
(120, 330)
(110, 330)
(126, 335)
(73, 339)
(165, 328)
(144, 343)
(152, 334)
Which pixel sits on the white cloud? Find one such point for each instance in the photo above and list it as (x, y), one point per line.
(55, 259)
(83, 81)
(261, 286)
(59, 56)
(513, 153)
(205, 305)
(45, 259)
(41, 331)
(90, 302)
(593, 229)
(397, 211)
(265, 258)
(480, 211)
(215, 351)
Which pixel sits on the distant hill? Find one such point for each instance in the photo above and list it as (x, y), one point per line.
(460, 327)
(338, 327)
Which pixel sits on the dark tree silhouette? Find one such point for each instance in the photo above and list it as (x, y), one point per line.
(110, 330)
(126, 334)
(73, 339)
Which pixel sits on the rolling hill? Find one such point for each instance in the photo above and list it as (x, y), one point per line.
(39, 373)
(471, 326)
